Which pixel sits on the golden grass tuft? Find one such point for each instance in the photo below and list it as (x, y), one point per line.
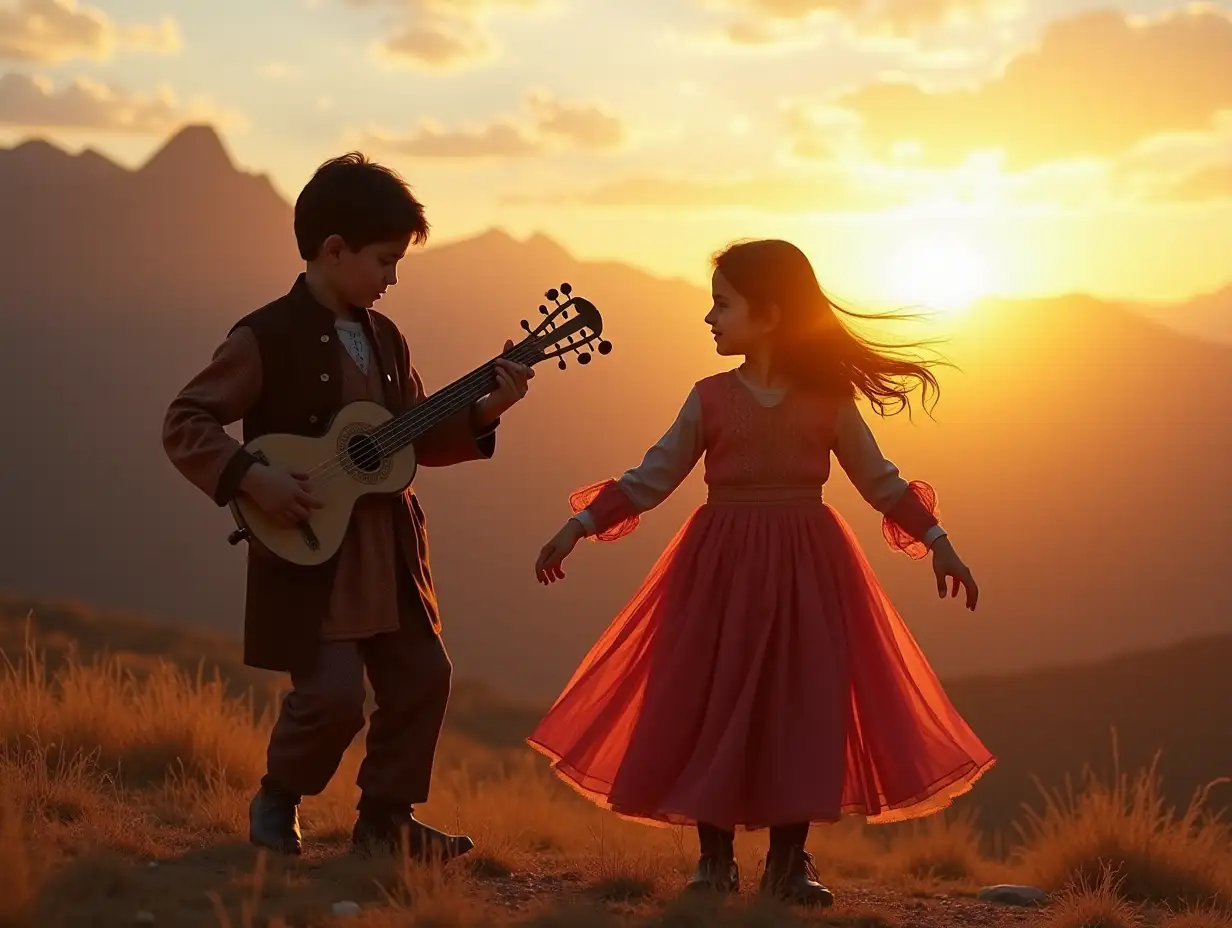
(1087, 904)
(1160, 855)
(942, 849)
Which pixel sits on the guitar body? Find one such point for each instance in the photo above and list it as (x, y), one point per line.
(344, 465)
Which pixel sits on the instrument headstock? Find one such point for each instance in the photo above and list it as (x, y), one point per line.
(572, 325)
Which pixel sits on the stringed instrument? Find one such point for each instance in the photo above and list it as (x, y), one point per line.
(366, 450)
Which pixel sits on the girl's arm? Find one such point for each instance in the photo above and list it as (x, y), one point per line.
(910, 518)
(611, 509)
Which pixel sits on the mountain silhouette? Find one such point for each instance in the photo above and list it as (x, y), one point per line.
(1079, 452)
(1205, 316)
(195, 151)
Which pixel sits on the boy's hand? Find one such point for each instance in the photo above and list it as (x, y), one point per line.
(553, 554)
(512, 382)
(947, 564)
(281, 495)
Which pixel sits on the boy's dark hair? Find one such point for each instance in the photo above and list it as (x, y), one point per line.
(360, 200)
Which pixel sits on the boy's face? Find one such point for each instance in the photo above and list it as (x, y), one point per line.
(360, 277)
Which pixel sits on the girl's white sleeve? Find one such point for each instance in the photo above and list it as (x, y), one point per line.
(874, 476)
(665, 465)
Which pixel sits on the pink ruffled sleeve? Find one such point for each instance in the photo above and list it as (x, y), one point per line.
(910, 517)
(610, 509)
(912, 524)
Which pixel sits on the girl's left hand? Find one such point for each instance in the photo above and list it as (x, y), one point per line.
(948, 565)
(548, 566)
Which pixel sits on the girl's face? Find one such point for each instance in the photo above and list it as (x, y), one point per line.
(734, 327)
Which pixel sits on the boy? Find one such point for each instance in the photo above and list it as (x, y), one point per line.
(288, 367)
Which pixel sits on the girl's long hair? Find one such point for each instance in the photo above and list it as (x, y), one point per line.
(813, 349)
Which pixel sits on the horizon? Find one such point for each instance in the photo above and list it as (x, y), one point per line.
(976, 149)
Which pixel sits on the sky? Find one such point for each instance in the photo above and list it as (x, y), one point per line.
(920, 151)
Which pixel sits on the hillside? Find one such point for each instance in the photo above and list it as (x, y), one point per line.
(1079, 452)
(1046, 724)
(124, 793)
(65, 630)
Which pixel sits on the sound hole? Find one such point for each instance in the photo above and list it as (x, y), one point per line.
(364, 453)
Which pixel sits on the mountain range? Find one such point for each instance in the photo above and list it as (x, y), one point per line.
(1079, 449)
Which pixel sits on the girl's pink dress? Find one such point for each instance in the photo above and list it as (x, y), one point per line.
(760, 675)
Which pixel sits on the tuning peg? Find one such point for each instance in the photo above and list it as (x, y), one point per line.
(552, 294)
(583, 357)
(605, 347)
(526, 325)
(543, 309)
(561, 364)
(566, 289)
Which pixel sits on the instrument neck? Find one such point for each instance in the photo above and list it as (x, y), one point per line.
(423, 417)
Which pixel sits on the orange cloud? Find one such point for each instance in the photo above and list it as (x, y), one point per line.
(1095, 85)
(34, 103)
(833, 191)
(441, 34)
(549, 123)
(766, 21)
(1213, 182)
(52, 31)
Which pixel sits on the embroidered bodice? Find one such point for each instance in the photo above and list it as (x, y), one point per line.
(752, 436)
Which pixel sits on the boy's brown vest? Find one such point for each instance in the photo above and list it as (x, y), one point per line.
(286, 604)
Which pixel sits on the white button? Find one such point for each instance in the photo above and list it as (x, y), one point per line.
(312, 418)
(324, 338)
(389, 377)
(324, 377)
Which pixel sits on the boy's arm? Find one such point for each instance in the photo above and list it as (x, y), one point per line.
(465, 436)
(194, 437)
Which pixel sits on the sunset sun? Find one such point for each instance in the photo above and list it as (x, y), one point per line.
(945, 275)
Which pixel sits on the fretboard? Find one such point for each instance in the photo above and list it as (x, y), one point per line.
(424, 416)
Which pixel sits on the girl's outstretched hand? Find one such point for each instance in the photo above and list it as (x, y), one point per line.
(553, 554)
(948, 565)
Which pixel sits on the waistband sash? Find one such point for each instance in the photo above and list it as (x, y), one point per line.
(764, 494)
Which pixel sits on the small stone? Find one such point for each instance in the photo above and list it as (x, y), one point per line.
(145, 918)
(345, 908)
(1010, 894)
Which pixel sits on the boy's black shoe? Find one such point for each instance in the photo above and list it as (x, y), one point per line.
(382, 830)
(792, 876)
(273, 822)
(715, 873)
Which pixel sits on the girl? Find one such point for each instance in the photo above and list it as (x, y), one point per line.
(761, 677)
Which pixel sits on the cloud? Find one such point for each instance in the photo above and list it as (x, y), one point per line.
(1096, 84)
(833, 191)
(978, 186)
(1213, 182)
(548, 123)
(442, 34)
(760, 22)
(52, 31)
(31, 102)
(278, 70)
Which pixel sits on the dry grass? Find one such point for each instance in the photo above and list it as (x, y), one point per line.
(1158, 853)
(126, 791)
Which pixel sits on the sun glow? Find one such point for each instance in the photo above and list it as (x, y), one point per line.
(940, 273)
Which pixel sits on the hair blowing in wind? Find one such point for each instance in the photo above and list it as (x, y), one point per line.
(813, 348)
